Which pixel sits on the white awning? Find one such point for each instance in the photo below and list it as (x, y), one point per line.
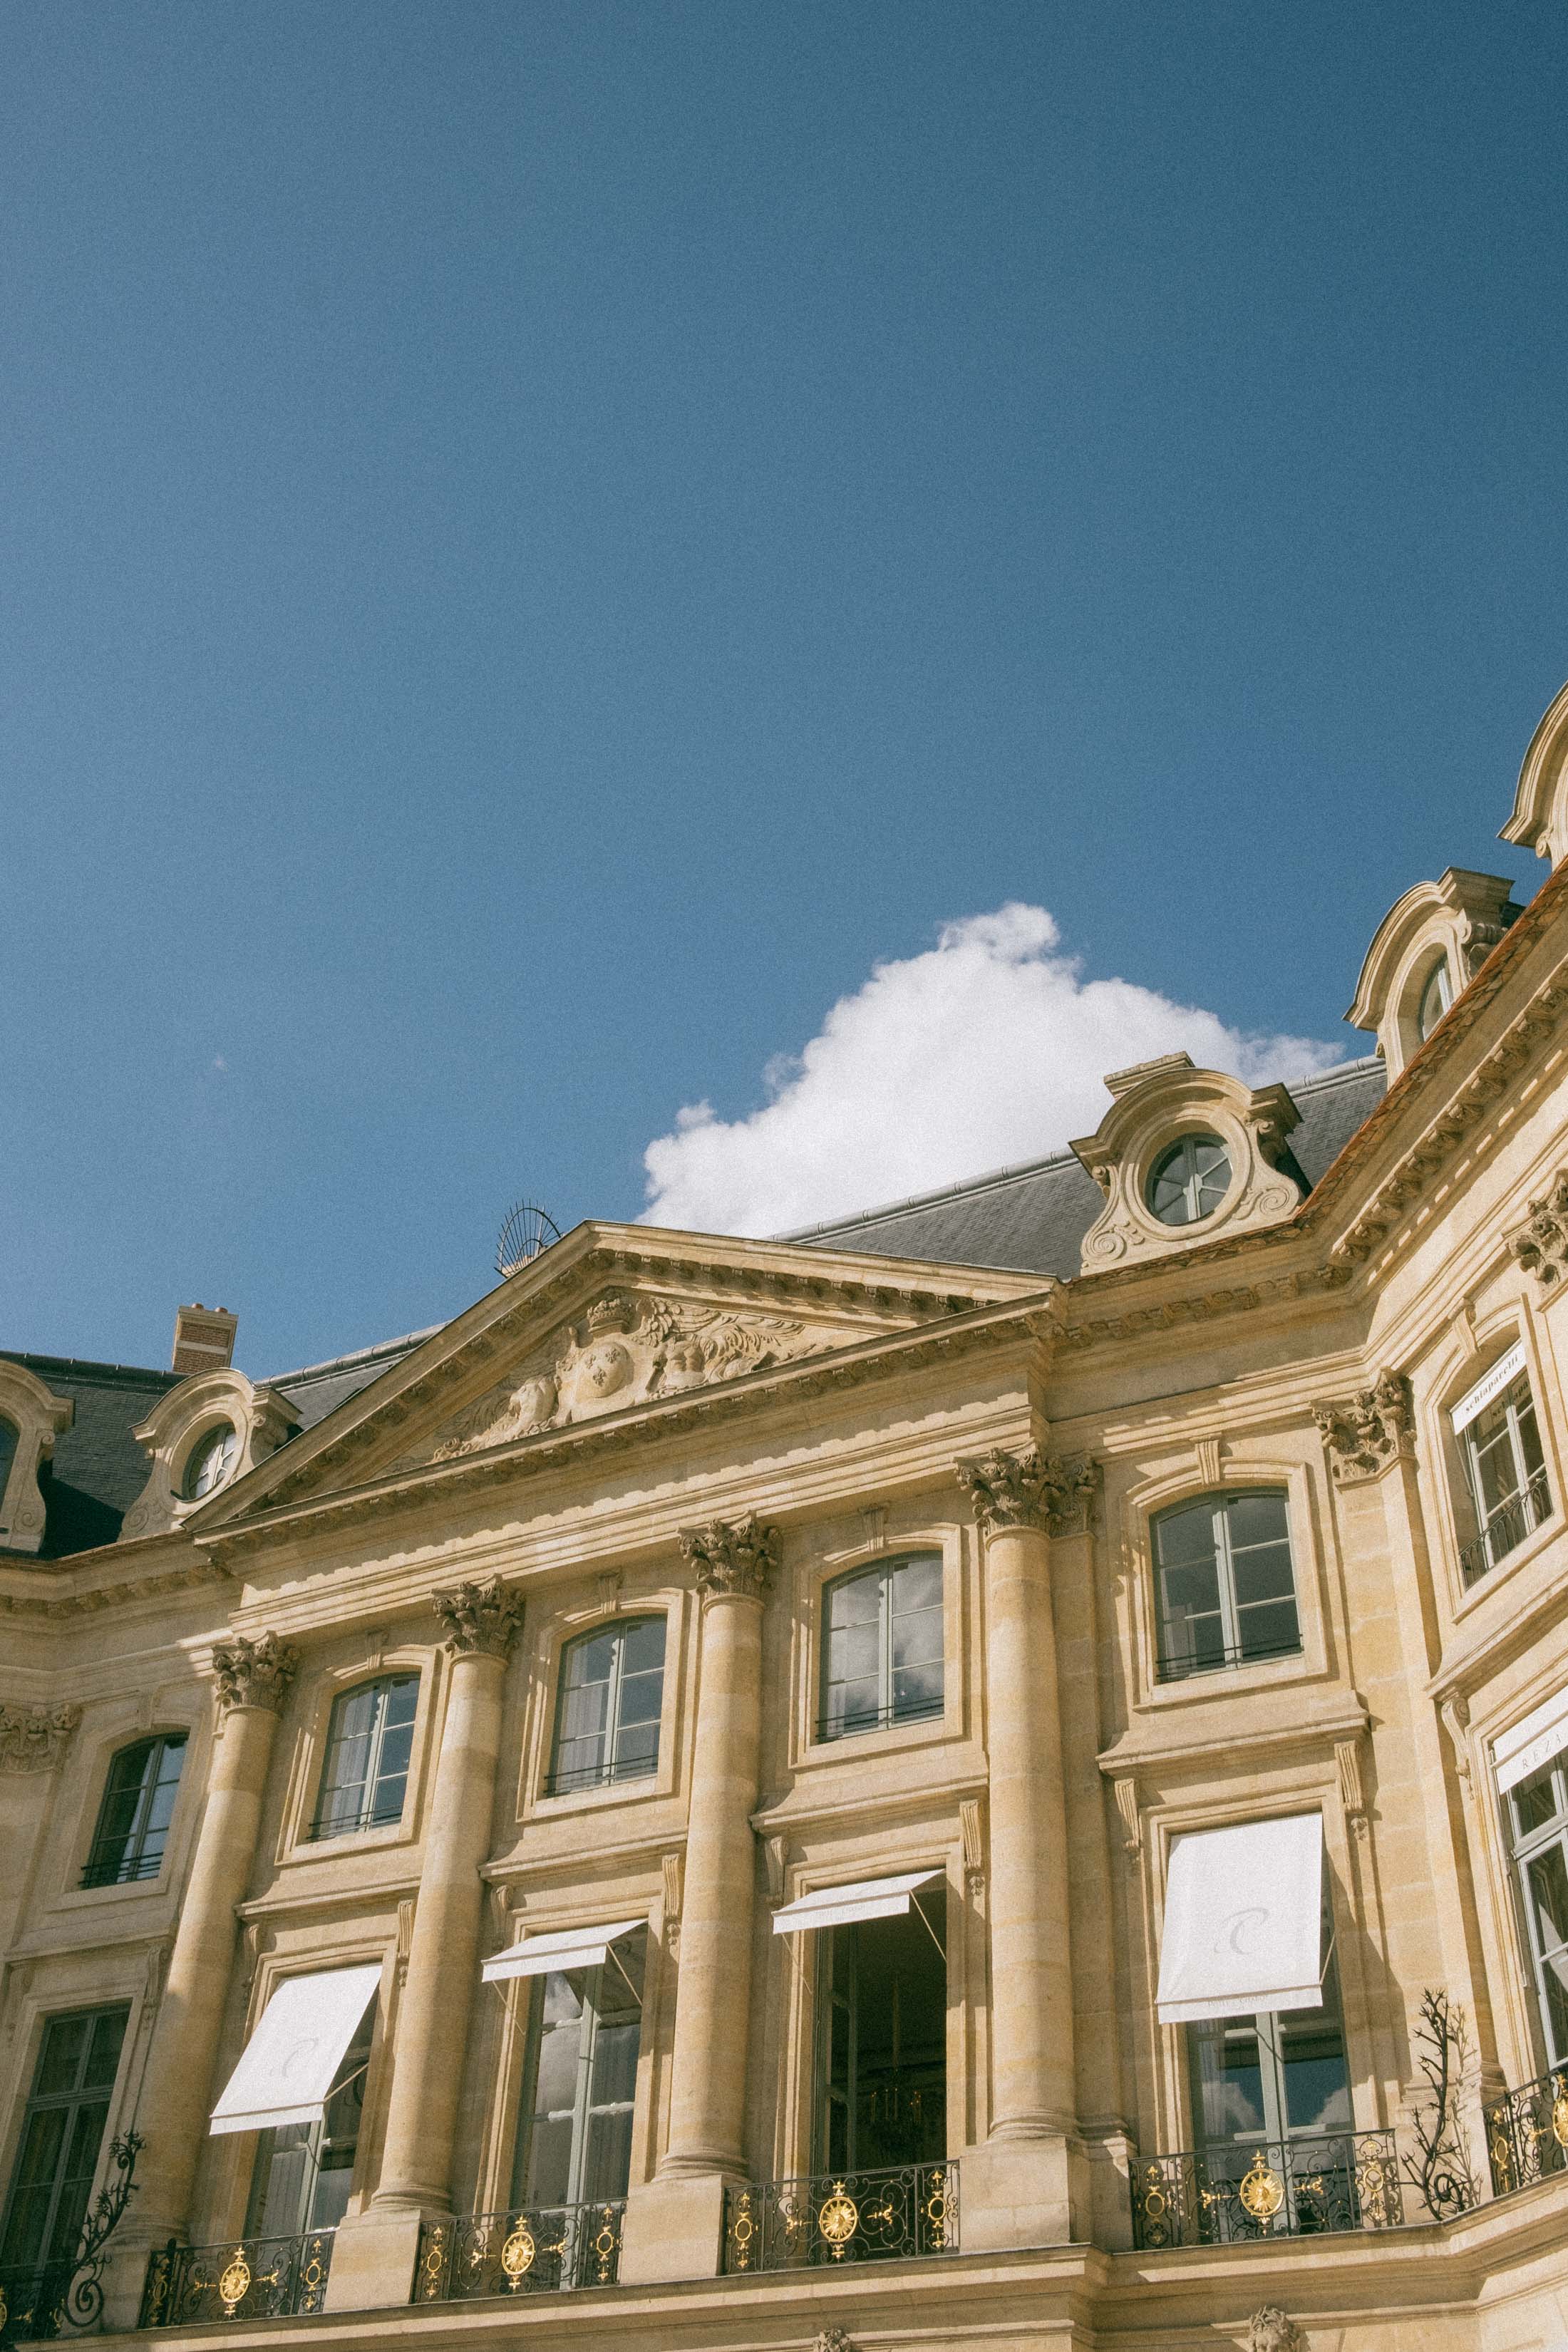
(291, 2059)
(571, 1947)
(1542, 1735)
(868, 1898)
(1243, 1920)
(1491, 1384)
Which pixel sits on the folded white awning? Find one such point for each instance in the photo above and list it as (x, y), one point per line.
(1244, 1920)
(1542, 1735)
(1491, 1384)
(571, 1948)
(291, 2059)
(868, 1898)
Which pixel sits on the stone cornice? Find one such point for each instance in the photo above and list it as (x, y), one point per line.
(1029, 1320)
(188, 1575)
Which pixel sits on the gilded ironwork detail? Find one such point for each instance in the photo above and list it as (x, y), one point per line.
(1300, 2188)
(242, 2279)
(1527, 2132)
(852, 2217)
(532, 2251)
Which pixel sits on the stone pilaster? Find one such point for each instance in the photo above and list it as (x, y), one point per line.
(252, 1680)
(674, 2222)
(1027, 2184)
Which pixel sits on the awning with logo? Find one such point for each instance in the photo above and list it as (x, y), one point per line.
(1244, 1910)
(868, 1898)
(1491, 1384)
(290, 2060)
(570, 1947)
(1543, 1734)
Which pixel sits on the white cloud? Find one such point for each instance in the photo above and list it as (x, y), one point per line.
(990, 1048)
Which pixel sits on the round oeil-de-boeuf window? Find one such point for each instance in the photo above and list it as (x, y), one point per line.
(1190, 1180)
(212, 1459)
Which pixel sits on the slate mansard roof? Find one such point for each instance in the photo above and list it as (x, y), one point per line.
(1032, 1219)
(1028, 1220)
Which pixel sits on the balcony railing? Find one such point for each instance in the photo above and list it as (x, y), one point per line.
(842, 2217)
(240, 2278)
(1527, 2132)
(878, 1718)
(1297, 2188)
(36, 2305)
(1505, 1530)
(1180, 1666)
(526, 2250)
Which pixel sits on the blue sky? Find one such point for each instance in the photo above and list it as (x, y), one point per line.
(542, 546)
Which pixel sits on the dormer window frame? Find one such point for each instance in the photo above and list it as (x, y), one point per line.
(1434, 939)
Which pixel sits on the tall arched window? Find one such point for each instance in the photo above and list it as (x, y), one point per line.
(607, 1716)
(882, 1646)
(1228, 1589)
(138, 1806)
(369, 1740)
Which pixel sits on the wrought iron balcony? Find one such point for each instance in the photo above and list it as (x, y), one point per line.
(526, 2250)
(37, 2304)
(1180, 1666)
(1505, 1530)
(240, 2278)
(1296, 2189)
(843, 2217)
(1527, 2132)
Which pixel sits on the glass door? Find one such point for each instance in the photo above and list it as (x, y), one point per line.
(304, 2172)
(882, 2041)
(574, 2146)
(1268, 2090)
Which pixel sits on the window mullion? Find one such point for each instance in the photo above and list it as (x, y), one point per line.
(588, 2035)
(613, 1706)
(1229, 1622)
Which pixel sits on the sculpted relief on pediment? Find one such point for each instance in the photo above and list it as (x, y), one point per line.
(629, 1349)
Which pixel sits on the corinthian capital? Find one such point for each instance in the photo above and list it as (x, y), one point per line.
(253, 1673)
(733, 1558)
(1364, 1434)
(480, 1620)
(1030, 1490)
(34, 1739)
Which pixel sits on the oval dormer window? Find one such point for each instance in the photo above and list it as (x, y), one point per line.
(1189, 1182)
(211, 1460)
(1435, 999)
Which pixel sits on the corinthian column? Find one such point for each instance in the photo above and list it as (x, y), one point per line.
(373, 2257)
(1025, 2199)
(673, 2228)
(482, 1623)
(251, 1682)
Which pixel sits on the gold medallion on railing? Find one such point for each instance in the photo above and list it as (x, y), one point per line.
(5, 2307)
(234, 2285)
(1559, 2109)
(517, 2254)
(1261, 2192)
(936, 2211)
(743, 2229)
(839, 2219)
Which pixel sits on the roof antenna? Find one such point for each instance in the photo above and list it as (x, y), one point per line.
(527, 1233)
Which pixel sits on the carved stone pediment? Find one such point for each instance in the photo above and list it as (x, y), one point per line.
(627, 1348)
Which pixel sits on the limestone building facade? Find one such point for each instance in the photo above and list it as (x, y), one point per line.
(995, 1772)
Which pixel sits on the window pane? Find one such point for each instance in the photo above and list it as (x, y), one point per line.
(80, 2157)
(1185, 1535)
(1256, 1518)
(33, 2189)
(1263, 1572)
(644, 1649)
(66, 2041)
(609, 2155)
(103, 2050)
(283, 2166)
(1311, 2054)
(1193, 1628)
(853, 1654)
(1268, 1629)
(555, 2074)
(615, 2062)
(548, 2174)
(593, 1659)
(856, 1602)
(917, 1640)
(1536, 1802)
(918, 1585)
(1548, 1897)
(1227, 2076)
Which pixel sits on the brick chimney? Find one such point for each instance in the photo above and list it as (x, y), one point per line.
(204, 1339)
